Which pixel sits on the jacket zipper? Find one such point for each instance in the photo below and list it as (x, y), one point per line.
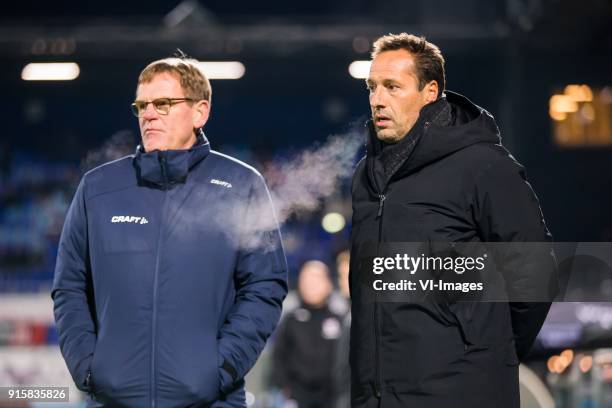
(153, 388)
(379, 215)
(381, 204)
(376, 314)
(378, 382)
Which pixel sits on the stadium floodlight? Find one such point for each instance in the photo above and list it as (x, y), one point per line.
(333, 222)
(222, 69)
(360, 69)
(50, 71)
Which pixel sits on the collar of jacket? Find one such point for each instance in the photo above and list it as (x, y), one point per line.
(165, 168)
(449, 124)
(386, 159)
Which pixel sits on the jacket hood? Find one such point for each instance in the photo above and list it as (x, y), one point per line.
(164, 168)
(445, 126)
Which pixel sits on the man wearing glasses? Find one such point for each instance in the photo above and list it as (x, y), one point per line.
(170, 273)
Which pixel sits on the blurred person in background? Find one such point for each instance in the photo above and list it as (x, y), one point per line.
(342, 370)
(306, 342)
(435, 171)
(343, 260)
(170, 274)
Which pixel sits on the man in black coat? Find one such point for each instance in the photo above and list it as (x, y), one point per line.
(435, 171)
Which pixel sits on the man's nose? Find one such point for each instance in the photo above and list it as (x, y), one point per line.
(149, 112)
(376, 99)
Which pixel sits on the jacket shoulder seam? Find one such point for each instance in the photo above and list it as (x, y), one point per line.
(102, 166)
(240, 163)
(114, 190)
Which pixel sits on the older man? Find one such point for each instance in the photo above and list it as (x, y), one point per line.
(170, 274)
(435, 171)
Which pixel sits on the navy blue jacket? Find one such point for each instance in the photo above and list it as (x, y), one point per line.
(169, 279)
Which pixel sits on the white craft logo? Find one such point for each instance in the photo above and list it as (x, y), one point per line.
(129, 219)
(221, 183)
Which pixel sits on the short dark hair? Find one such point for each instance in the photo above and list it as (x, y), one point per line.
(428, 59)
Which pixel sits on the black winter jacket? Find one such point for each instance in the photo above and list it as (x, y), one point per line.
(449, 179)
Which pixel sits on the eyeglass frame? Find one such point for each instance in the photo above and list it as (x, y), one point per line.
(171, 102)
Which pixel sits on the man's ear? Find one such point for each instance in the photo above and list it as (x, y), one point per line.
(201, 113)
(431, 91)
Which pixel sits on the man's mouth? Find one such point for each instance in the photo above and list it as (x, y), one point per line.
(382, 121)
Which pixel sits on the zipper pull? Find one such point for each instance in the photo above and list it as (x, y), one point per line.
(377, 392)
(381, 203)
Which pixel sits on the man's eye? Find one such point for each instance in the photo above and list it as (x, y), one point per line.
(163, 103)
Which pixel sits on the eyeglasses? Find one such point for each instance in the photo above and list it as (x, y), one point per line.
(161, 105)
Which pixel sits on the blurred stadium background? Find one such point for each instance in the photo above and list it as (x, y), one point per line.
(542, 67)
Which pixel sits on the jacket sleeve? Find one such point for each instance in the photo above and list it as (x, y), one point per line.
(507, 210)
(72, 293)
(261, 285)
